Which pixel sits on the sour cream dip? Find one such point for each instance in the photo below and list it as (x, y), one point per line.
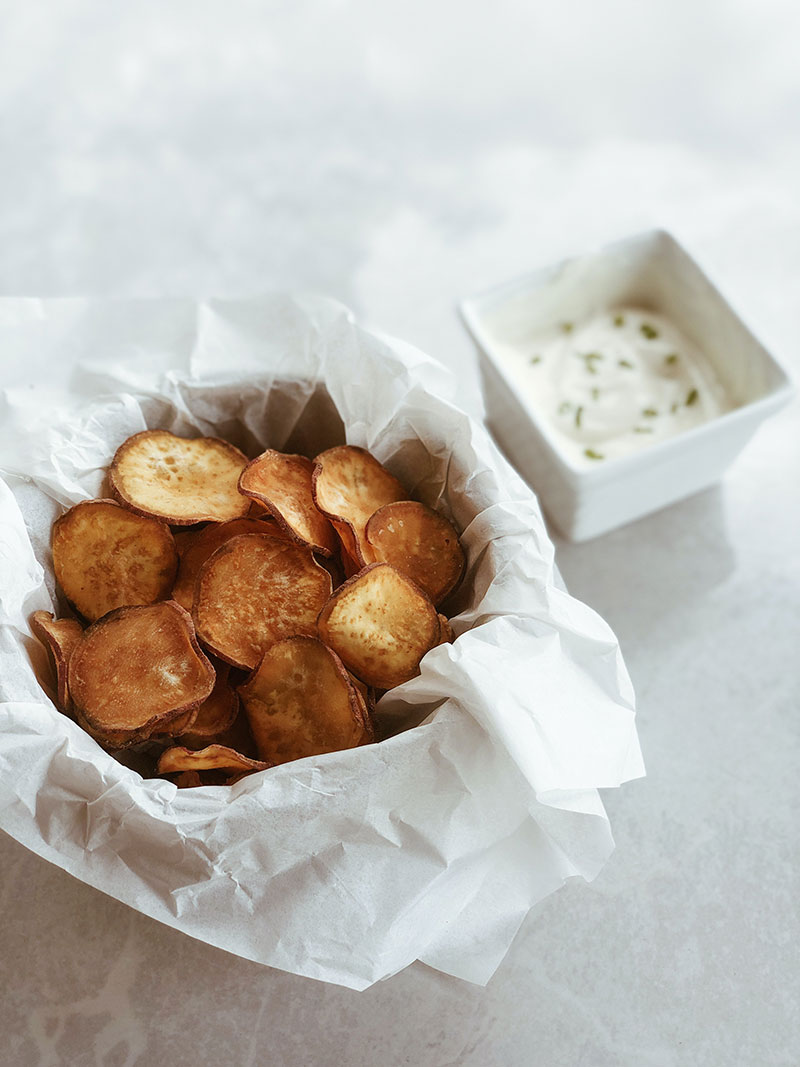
(613, 384)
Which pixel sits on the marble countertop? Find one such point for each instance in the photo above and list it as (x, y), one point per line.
(399, 157)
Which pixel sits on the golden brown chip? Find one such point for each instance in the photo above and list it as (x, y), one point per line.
(300, 702)
(180, 480)
(176, 727)
(188, 779)
(211, 758)
(349, 485)
(282, 483)
(59, 637)
(381, 625)
(138, 669)
(419, 543)
(106, 557)
(446, 635)
(215, 715)
(255, 590)
(195, 546)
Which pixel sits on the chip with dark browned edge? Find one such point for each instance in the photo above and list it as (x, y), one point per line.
(282, 483)
(419, 543)
(212, 758)
(446, 635)
(106, 557)
(59, 637)
(195, 546)
(349, 485)
(254, 591)
(381, 625)
(301, 702)
(137, 670)
(178, 479)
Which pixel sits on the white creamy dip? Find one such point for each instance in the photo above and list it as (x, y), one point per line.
(615, 383)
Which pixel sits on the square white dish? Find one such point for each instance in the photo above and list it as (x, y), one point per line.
(651, 271)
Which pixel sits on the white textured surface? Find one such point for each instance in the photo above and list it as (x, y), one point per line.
(398, 156)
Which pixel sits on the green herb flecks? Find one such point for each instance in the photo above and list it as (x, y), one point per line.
(536, 359)
(619, 320)
(591, 454)
(578, 416)
(651, 413)
(674, 407)
(643, 429)
(692, 398)
(595, 393)
(590, 359)
(650, 332)
(564, 407)
(626, 363)
(566, 327)
(671, 359)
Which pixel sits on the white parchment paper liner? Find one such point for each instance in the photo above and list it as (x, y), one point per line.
(431, 845)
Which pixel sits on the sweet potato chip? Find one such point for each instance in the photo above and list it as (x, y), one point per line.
(381, 625)
(180, 480)
(59, 637)
(188, 780)
(282, 483)
(215, 715)
(195, 546)
(446, 635)
(349, 485)
(138, 669)
(106, 557)
(255, 590)
(419, 543)
(211, 758)
(300, 702)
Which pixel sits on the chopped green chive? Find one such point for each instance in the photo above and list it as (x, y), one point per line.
(578, 416)
(591, 454)
(643, 429)
(650, 412)
(649, 331)
(674, 408)
(619, 320)
(692, 398)
(536, 359)
(564, 407)
(671, 358)
(595, 393)
(566, 327)
(626, 363)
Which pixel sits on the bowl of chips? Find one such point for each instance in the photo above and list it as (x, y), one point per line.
(287, 662)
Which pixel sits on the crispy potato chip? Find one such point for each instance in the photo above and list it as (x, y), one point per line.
(106, 557)
(195, 546)
(300, 702)
(446, 635)
(188, 780)
(59, 637)
(215, 715)
(381, 625)
(180, 480)
(255, 590)
(211, 758)
(366, 694)
(177, 727)
(282, 483)
(138, 669)
(349, 485)
(419, 543)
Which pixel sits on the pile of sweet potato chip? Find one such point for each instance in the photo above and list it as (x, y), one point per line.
(234, 615)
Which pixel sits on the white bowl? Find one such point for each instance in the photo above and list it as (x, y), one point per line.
(651, 271)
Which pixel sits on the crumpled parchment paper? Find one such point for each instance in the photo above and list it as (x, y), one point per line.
(431, 845)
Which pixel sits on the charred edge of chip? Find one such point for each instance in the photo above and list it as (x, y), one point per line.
(229, 546)
(274, 512)
(148, 728)
(171, 520)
